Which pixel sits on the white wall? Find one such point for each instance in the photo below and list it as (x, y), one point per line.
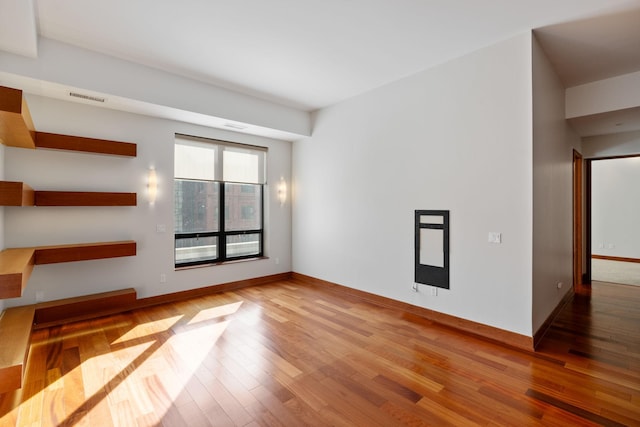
(615, 190)
(618, 144)
(60, 170)
(454, 137)
(553, 144)
(616, 93)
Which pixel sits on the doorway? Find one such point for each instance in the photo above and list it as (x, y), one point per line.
(612, 235)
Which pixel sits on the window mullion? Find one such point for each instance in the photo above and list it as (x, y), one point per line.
(222, 241)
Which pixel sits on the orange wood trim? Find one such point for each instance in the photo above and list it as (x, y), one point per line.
(89, 145)
(10, 100)
(16, 125)
(16, 266)
(537, 337)
(15, 194)
(615, 258)
(491, 333)
(67, 310)
(15, 335)
(83, 198)
(578, 227)
(84, 252)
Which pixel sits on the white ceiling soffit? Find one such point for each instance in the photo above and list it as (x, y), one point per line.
(593, 49)
(303, 54)
(92, 98)
(619, 121)
(18, 33)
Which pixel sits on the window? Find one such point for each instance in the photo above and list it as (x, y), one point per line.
(218, 200)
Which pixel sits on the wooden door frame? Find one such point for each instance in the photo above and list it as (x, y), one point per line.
(587, 219)
(578, 224)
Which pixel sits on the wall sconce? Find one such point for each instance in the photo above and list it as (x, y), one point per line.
(152, 185)
(282, 191)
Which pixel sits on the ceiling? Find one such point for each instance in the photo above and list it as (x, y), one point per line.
(312, 54)
(592, 49)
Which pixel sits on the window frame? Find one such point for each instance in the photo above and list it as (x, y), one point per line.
(222, 234)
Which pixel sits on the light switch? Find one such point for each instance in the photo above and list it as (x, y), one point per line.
(495, 237)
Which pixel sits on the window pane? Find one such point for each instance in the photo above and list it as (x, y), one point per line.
(243, 245)
(196, 205)
(431, 247)
(196, 249)
(195, 160)
(242, 207)
(243, 165)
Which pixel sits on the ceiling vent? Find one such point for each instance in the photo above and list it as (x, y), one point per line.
(86, 97)
(237, 126)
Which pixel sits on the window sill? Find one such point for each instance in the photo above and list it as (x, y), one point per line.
(214, 264)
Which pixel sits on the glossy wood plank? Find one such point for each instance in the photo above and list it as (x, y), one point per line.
(15, 194)
(84, 198)
(85, 307)
(84, 251)
(83, 144)
(16, 125)
(15, 335)
(16, 266)
(289, 353)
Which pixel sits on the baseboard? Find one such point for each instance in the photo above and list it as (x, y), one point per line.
(59, 312)
(208, 290)
(615, 258)
(542, 330)
(491, 333)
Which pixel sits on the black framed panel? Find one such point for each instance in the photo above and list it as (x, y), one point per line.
(432, 248)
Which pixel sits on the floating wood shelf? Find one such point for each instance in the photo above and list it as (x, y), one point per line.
(15, 335)
(16, 264)
(15, 194)
(84, 307)
(83, 198)
(84, 252)
(16, 125)
(20, 194)
(17, 130)
(88, 145)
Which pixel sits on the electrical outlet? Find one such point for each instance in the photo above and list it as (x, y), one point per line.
(163, 278)
(559, 285)
(495, 237)
(39, 296)
(434, 291)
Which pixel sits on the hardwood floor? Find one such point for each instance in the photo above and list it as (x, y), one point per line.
(289, 354)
